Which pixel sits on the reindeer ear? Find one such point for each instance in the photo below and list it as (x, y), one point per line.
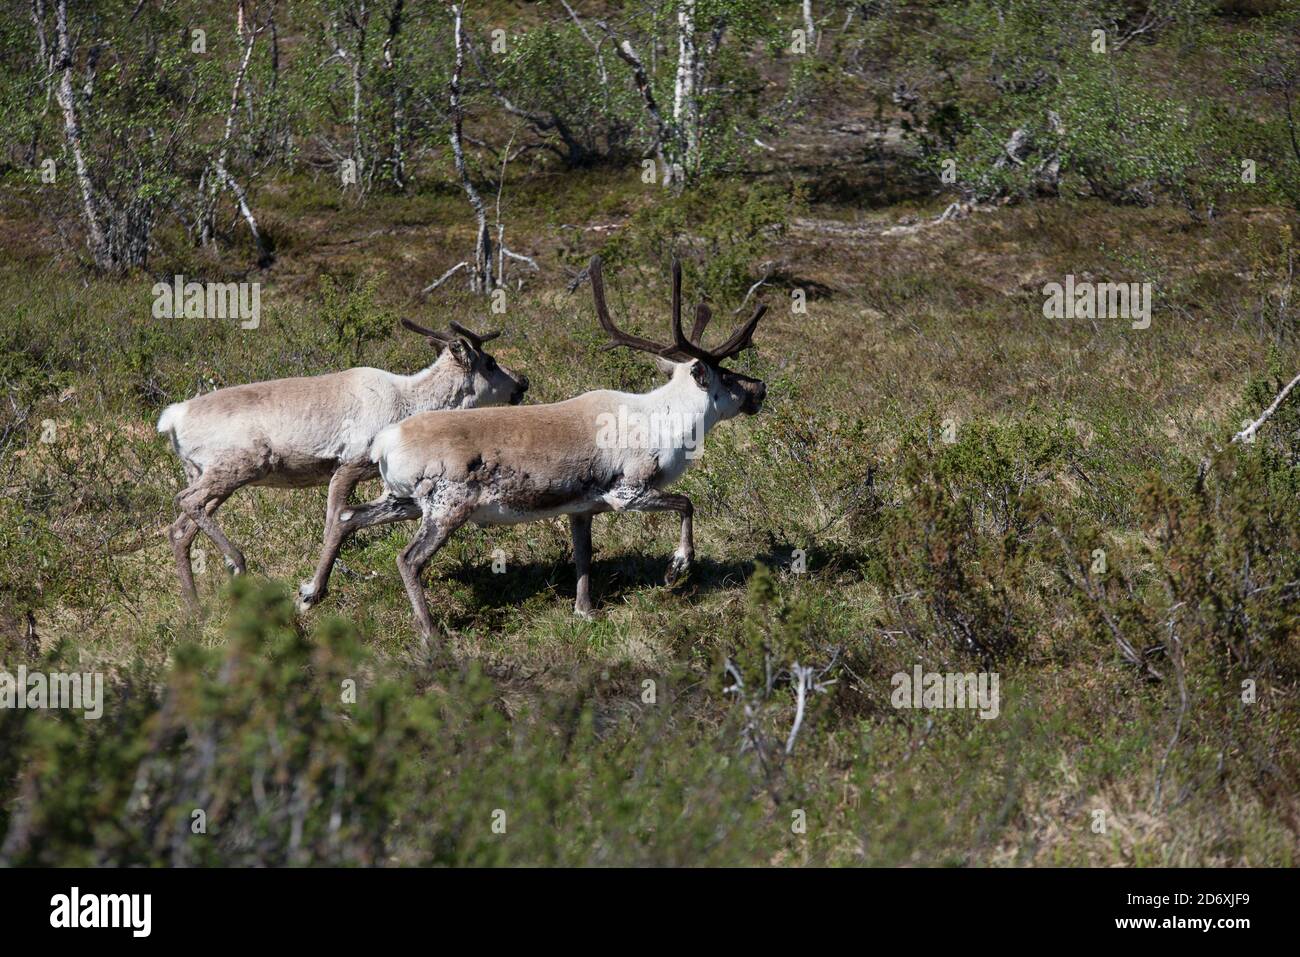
(462, 352)
(700, 373)
(666, 366)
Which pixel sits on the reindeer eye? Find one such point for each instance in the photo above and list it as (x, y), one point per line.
(490, 364)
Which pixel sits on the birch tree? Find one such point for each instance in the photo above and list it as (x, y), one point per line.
(701, 83)
(129, 141)
(371, 40)
(481, 277)
(393, 16)
(104, 252)
(554, 78)
(485, 275)
(348, 34)
(219, 176)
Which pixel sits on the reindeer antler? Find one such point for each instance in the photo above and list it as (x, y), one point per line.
(445, 338)
(702, 316)
(682, 347)
(475, 340)
(619, 337)
(741, 339)
(441, 337)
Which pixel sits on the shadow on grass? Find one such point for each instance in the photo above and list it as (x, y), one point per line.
(614, 578)
(611, 579)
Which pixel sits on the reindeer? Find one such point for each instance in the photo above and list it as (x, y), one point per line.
(504, 466)
(296, 433)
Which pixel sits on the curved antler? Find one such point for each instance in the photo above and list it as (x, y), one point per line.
(741, 339)
(445, 338)
(440, 337)
(474, 338)
(619, 337)
(702, 316)
(682, 347)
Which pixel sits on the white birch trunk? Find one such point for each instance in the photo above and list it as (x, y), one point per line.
(97, 239)
(482, 278)
(358, 90)
(223, 177)
(398, 155)
(686, 107)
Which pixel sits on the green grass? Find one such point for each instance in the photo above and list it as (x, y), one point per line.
(1090, 430)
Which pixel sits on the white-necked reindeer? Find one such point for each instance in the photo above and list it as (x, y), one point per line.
(503, 466)
(296, 433)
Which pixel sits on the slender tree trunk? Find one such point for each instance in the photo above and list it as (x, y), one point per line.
(686, 107)
(223, 177)
(264, 256)
(43, 69)
(361, 23)
(600, 56)
(96, 236)
(42, 46)
(663, 132)
(397, 158)
(482, 278)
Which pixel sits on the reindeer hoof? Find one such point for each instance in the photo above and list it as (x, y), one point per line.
(584, 613)
(307, 597)
(677, 569)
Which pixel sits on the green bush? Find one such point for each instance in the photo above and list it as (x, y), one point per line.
(963, 532)
(278, 749)
(352, 316)
(718, 229)
(550, 73)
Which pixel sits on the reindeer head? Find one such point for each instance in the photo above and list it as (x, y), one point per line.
(729, 393)
(482, 379)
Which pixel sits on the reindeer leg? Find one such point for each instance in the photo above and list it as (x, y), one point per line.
(382, 511)
(685, 554)
(181, 535)
(646, 499)
(436, 527)
(200, 500)
(580, 526)
(342, 483)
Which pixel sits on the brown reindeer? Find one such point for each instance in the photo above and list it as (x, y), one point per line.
(295, 433)
(601, 451)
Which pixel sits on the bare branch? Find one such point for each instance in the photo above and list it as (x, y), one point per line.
(443, 278)
(771, 266)
(511, 254)
(802, 680)
(1247, 435)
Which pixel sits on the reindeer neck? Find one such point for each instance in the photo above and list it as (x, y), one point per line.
(434, 387)
(681, 401)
